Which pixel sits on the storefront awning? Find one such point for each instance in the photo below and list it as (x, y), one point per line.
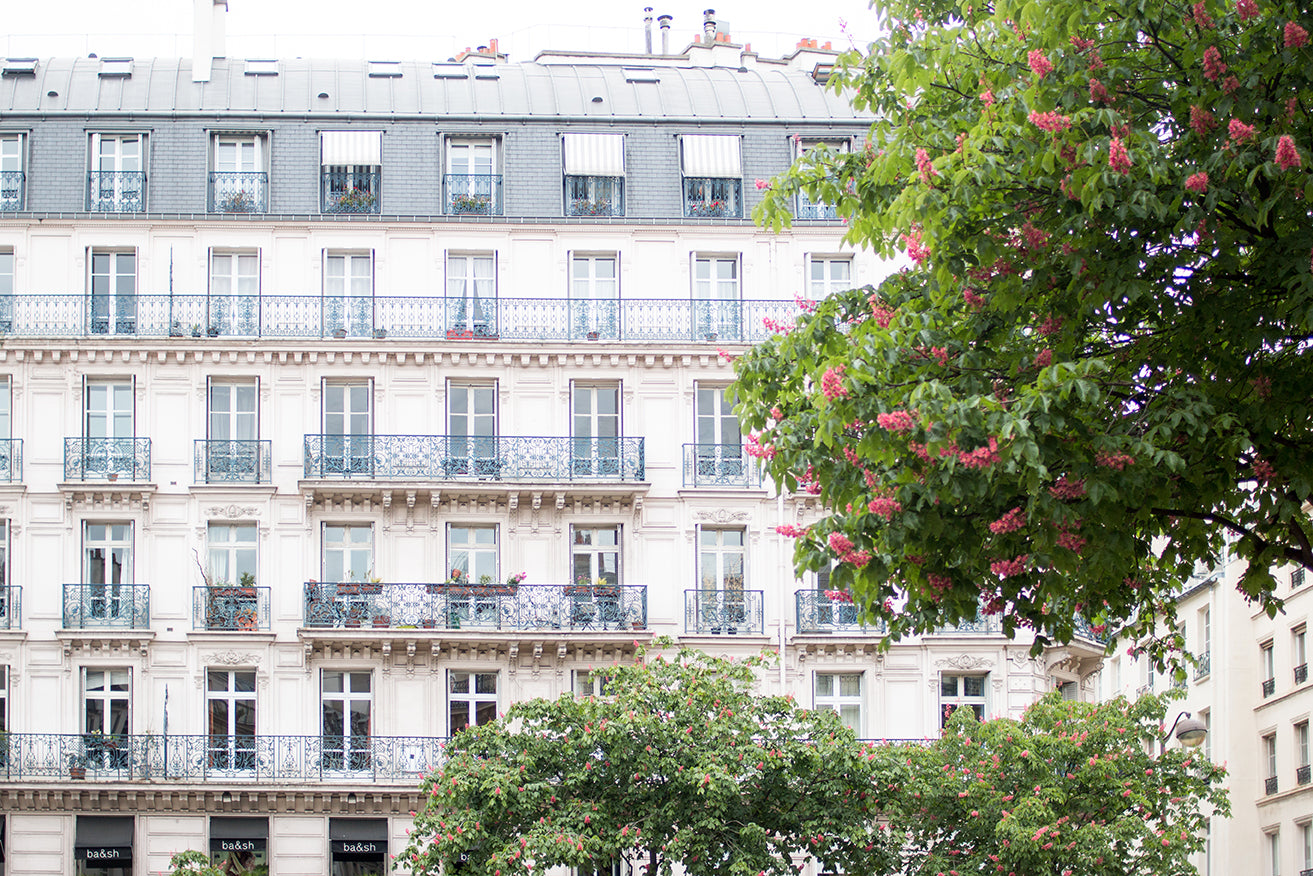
(233, 834)
(358, 839)
(103, 839)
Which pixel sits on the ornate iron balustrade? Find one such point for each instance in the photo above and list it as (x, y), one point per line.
(472, 194)
(1269, 687)
(350, 191)
(983, 623)
(818, 613)
(713, 197)
(116, 191)
(409, 317)
(203, 758)
(11, 608)
(466, 458)
(1301, 673)
(233, 462)
(464, 606)
(724, 612)
(11, 460)
(719, 465)
(805, 209)
(106, 459)
(1204, 665)
(226, 607)
(594, 196)
(13, 188)
(1085, 630)
(106, 606)
(239, 191)
(1270, 785)
(1302, 774)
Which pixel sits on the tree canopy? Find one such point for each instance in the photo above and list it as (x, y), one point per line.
(1093, 376)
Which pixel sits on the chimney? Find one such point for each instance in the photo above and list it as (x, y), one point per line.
(709, 24)
(647, 28)
(664, 21)
(208, 35)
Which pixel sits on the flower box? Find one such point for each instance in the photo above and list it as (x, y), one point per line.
(459, 335)
(382, 620)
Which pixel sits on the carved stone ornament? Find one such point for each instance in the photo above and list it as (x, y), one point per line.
(965, 661)
(232, 512)
(231, 658)
(722, 515)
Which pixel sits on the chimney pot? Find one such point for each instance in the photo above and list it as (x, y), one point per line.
(664, 21)
(827, 45)
(647, 28)
(709, 24)
(492, 44)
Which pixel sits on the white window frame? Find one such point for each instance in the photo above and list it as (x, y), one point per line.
(248, 150)
(1299, 646)
(348, 293)
(348, 426)
(13, 159)
(353, 754)
(1273, 852)
(472, 294)
(350, 546)
(820, 288)
(225, 744)
(4, 698)
(594, 296)
(117, 189)
(234, 298)
(473, 448)
(828, 695)
(960, 698)
(117, 285)
(103, 602)
(1270, 755)
(97, 753)
(594, 554)
(472, 698)
(589, 683)
(233, 547)
(1302, 743)
(595, 435)
(717, 293)
(473, 556)
(464, 146)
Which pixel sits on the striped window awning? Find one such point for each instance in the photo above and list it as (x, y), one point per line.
(711, 155)
(351, 147)
(594, 154)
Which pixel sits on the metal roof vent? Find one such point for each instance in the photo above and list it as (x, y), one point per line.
(450, 71)
(641, 74)
(19, 67)
(384, 69)
(261, 67)
(115, 66)
(486, 71)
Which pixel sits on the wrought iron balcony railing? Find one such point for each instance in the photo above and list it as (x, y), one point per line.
(233, 462)
(473, 458)
(230, 607)
(1302, 774)
(805, 209)
(1269, 687)
(594, 196)
(1085, 630)
(116, 191)
(350, 191)
(478, 606)
(106, 606)
(1301, 673)
(472, 194)
(59, 757)
(239, 191)
(983, 623)
(106, 459)
(641, 320)
(13, 188)
(1204, 666)
(719, 465)
(724, 612)
(11, 460)
(713, 198)
(1270, 785)
(11, 607)
(818, 612)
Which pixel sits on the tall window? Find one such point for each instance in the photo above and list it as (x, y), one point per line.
(348, 427)
(106, 717)
(594, 297)
(1270, 761)
(234, 293)
(349, 294)
(113, 306)
(473, 185)
(351, 164)
(11, 172)
(9, 607)
(232, 549)
(108, 597)
(595, 430)
(961, 692)
(4, 708)
(1207, 716)
(716, 300)
(594, 174)
(1299, 649)
(830, 275)
(595, 554)
(713, 175)
(806, 207)
(841, 693)
(108, 448)
(1267, 661)
(472, 431)
(472, 550)
(117, 182)
(230, 718)
(348, 552)
(346, 719)
(472, 698)
(719, 451)
(238, 181)
(1302, 751)
(1273, 843)
(6, 290)
(1306, 845)
(472, 295)
(590, 683)
(721, 560)
(232, 450)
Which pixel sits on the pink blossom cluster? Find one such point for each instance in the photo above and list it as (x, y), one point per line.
(839, 596)
(940, 583)
(1263, 469)
(1115, 461)
(1197, 183)
(1202, 121)
(1044, 358)
(939, 354)
(1230, 84)
(851, 455)
(776, 414)
(776, 327)
(1118, 158)
(981, 457)
(1009, 568)
(1050, 326)
(1071, 541)
(1262, 386)
(896, 421)
(971, 298)
(1201, 16)
(725, 354)
(916, 251)
(791, 531)
(805, 304)
(1039, 63)
(1214, 66)
(1296, 36)
(882, 313)
(1009, 522)
(857, 558)
(755, 449)
(1081, 43)
(1098, 92)
(1247, 9)
(884, 506)
(925, 166)
(1291, 106)
(1066, 488)
(1287, 155)
(840, 543)
(987, 97)
(1035, 238)
(832, 383)
(1096, 61)
(1239, 131)
(1052, 121)
(763, 185)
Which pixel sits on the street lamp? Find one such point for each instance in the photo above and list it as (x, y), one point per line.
(1189, 731)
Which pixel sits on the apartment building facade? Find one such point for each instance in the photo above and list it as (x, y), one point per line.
(346, 403)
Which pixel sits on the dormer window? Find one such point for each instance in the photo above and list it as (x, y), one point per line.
(713, 176)
(594, 174)
(351, 163)
(472, 184)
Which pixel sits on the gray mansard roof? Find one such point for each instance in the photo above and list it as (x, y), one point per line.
(507, 91)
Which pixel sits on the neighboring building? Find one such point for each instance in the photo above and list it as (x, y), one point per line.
(1250, 688)
(304, 362)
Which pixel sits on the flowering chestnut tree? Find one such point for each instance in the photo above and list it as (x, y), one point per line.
(1072, 789)
(677, 763)
(1095, 369)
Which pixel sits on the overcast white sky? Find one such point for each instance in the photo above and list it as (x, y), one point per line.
(428, 30)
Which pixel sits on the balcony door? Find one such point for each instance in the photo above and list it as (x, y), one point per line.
(108, 447)
(107, 598)
(348, 427)
(716, 299)
(472, 431)
(348, 294)
(719, 453)
(594, 298)
(235, 293)
(595, 431)
(106, 718)
(233, 450)
(472, 296)
(721, 554)
(230, 720)
(113, 305)
(238, 175)
(118, 184)
(346, 721)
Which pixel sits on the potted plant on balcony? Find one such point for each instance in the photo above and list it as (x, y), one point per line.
(237, 202)
(469, 203)
(354, 200)
(77, 768)
(712, 208)
(460, 335)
